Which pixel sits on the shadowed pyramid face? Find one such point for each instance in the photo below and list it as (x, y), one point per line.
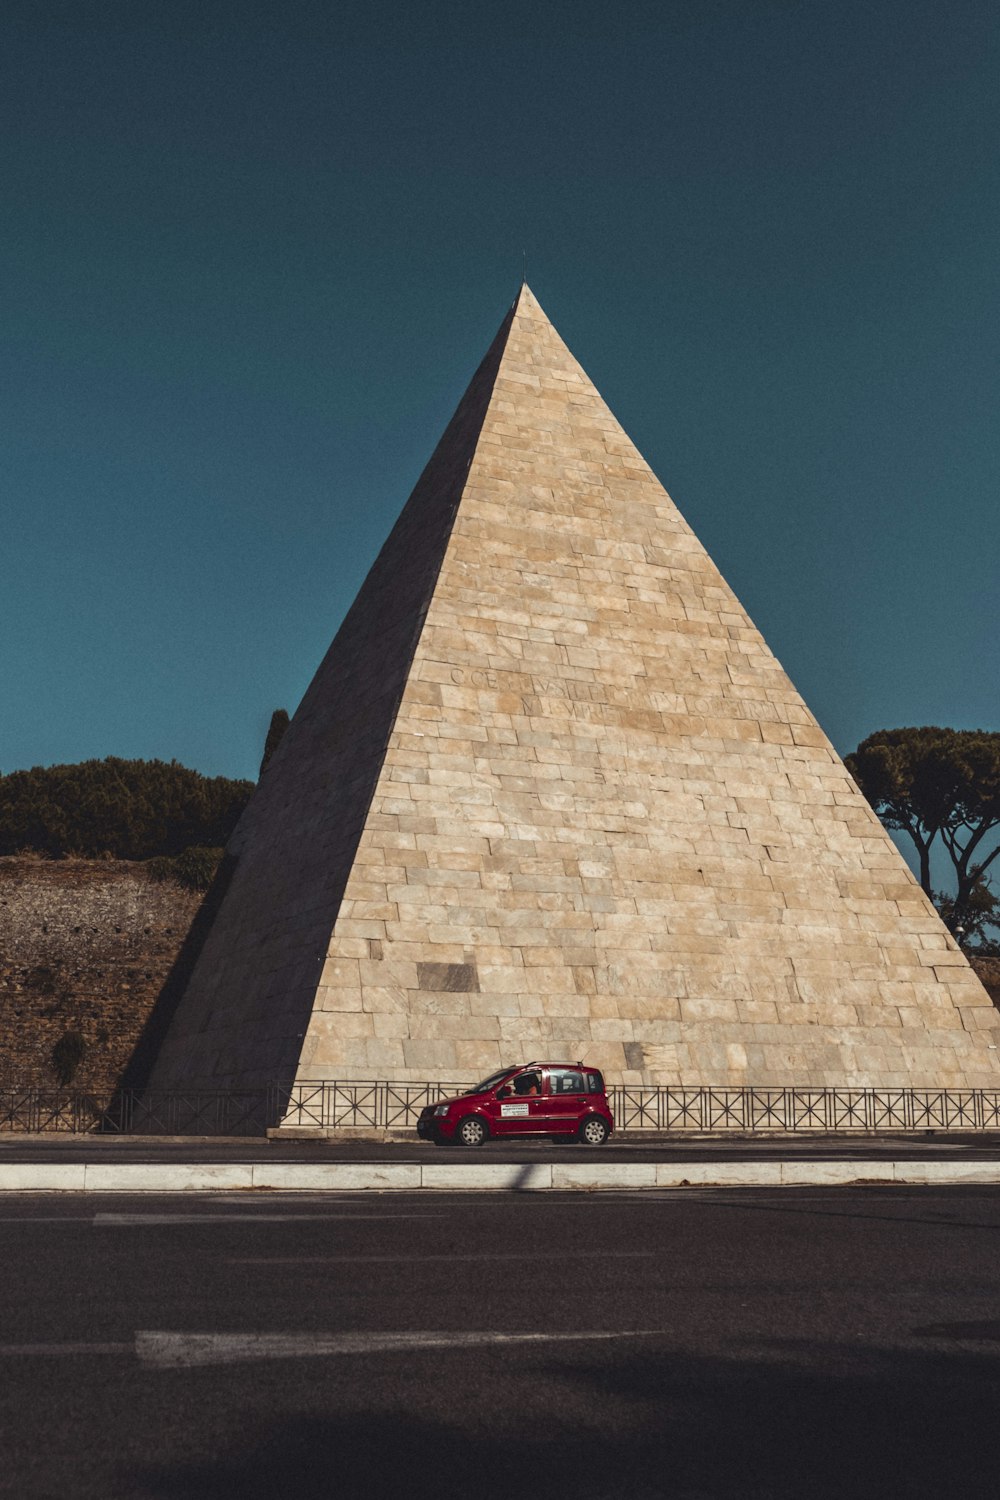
(550, 794)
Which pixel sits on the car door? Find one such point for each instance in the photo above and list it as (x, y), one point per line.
(566, 1098)
(518, 1107)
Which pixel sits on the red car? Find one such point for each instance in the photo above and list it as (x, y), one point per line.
(564, 1099)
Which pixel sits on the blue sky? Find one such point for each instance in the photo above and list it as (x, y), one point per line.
(252, 252)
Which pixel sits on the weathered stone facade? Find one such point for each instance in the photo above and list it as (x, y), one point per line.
(550, 794)
(85, 948)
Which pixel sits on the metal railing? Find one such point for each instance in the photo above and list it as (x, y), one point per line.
(697, 1110)
(377, 1105)
(130, 1112)
(760, 1110)
(384, 1105)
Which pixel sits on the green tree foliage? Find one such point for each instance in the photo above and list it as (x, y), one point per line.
(938, 783)
(969, 920)
(277, 727)
(131, 809)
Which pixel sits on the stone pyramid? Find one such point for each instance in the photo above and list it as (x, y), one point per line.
(550, 795)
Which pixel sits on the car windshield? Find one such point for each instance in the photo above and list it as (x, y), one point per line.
(491, 1082)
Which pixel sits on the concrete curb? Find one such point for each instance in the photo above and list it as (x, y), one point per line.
(282, 1177)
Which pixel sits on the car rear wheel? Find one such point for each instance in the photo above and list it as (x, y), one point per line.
(594, 1132)
(471, 1131)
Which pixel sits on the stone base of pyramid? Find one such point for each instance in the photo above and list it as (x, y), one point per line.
(551, 796)
(698, 1016)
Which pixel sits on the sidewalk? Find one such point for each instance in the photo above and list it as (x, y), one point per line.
(132, 1164)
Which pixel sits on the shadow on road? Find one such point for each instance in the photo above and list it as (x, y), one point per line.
(800, 1203)
(859, 1422)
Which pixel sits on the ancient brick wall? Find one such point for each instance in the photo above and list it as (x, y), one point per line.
(85, 947)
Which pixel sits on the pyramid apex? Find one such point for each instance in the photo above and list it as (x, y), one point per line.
(527, 304)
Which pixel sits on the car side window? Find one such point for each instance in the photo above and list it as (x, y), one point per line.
(527, 1083)
(595, 1083)
(565, 1081)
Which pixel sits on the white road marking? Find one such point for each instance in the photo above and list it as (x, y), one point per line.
(172, 1351)
(84, 1218)
(56, 1351)
(184, 1350)
(247, 1218)
(421, 1260)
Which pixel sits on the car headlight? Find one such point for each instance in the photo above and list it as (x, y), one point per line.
(442, 1109)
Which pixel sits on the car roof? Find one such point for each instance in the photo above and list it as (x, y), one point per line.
(575, 1066)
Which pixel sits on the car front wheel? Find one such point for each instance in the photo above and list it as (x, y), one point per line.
(471, 1132)
(594, 1132)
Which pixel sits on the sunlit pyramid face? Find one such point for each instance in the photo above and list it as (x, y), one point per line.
(550, 794)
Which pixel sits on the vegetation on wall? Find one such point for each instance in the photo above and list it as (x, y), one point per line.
(195, 868)
(128, 809)
(67, 1055)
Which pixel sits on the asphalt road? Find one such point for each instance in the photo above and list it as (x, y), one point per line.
(770, 1344)
(97, 1148)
